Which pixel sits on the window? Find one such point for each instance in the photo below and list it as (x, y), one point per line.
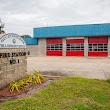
(54, 46)
(74, 47)
(98, 47)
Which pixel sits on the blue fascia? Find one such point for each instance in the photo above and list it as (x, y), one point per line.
(31, 41)
(72, 30)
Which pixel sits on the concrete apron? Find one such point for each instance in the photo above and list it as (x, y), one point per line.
(87, 67)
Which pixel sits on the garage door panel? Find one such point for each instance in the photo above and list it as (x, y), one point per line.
(54, 40)
(75, 53)
(98, 54)
(99, 40)
(54, 53)
(75, 41)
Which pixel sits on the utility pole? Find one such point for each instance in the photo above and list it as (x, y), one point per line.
(1, 26)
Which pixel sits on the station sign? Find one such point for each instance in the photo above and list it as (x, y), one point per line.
(13, 58)
(12, 40)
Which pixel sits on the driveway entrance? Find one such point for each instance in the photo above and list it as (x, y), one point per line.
(89, 67)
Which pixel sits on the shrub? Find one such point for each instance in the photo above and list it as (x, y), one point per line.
(33, 78)
(15, 86)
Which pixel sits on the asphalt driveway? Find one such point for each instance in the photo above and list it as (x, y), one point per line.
(89, 67)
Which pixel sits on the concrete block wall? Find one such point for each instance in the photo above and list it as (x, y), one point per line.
(42, 47)
(64, 46)
(109, 46)
(38, 50)
(34, 50)
(12, 72)
(85, 46)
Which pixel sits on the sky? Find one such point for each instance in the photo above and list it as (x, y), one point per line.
(21, 16)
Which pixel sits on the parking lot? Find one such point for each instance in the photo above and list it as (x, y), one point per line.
(89, 67)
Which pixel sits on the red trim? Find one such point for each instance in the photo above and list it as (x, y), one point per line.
(54, 40)
(74, 53)
(98, 40)
(74, 41)
(54, 53)
(98, 54)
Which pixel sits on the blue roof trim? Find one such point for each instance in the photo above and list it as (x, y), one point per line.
(31, 41)
(72, 30)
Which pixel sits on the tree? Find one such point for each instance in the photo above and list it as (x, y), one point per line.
(1, 27)
(2, 32)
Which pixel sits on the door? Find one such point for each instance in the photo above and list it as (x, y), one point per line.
(98, 46)
(75, 47)
(54, 46)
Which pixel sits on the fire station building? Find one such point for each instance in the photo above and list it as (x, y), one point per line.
(71, 40)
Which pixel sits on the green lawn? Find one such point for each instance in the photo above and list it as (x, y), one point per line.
(66, 94)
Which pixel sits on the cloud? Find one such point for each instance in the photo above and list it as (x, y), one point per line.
(21, 16)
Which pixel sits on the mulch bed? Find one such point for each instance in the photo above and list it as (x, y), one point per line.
(5, 92)
(6, 95)
(29, 90)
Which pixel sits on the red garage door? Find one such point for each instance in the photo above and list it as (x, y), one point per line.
(98, 46)
(54, 46)
(75, 47)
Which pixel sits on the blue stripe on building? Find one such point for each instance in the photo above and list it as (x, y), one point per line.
(31, 41)
(72, 30)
